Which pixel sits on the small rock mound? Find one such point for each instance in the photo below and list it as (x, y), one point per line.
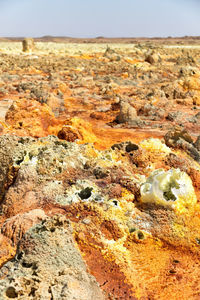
(153, 58)
(69, 134)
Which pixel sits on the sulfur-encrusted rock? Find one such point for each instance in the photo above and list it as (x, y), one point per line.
(172, 188)
(69, 134)
(128, 225)
(111, 54)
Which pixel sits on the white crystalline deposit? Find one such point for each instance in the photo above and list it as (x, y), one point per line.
(169, 188)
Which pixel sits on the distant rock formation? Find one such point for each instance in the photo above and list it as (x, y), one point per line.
(28, 45)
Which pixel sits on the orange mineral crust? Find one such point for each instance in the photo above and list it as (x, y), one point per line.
(99, 171)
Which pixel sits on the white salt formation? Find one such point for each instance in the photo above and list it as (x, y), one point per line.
(169, 188)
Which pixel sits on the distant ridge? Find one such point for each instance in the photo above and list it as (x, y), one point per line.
(102, 39)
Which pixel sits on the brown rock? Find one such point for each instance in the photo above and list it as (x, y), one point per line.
(197, 143)
(68, 134)
(153, 58)
(127, 113)
(173, 136)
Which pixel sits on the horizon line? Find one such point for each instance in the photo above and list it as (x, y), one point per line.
(100, 37)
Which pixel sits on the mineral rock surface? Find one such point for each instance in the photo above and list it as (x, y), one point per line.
(100, 171)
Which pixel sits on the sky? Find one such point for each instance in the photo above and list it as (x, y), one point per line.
(93, 18)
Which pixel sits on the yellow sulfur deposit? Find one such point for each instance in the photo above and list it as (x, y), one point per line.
(154, 145)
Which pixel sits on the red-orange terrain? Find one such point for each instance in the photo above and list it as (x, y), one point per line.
(100, 171)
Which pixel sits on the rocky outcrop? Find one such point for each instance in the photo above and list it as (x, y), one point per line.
(76, 223)
(128, 114)
(182, 140)
(28, 45)
(47, 265)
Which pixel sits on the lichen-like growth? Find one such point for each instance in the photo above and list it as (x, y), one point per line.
(169, 188)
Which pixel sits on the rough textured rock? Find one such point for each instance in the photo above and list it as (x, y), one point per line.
(182, 140)
(67, 133)
(128, 114)
(172, 137)
(152, 58)
(119, 236)
(197, 143)
(15, 227)
(111, 54)
(47, 265)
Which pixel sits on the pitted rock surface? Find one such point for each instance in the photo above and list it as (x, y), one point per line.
(47, 265)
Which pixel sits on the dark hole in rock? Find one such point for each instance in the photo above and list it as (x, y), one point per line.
(133, 229)
(30, 156)
(34, 266)
(26, 264)
(117, 146)
(100, 173)
(11, 292)
(176, 261)
(41, 229)
(19, 161)
(32, 293)
(85, 193)
(198, 241)
(140, 235)
(131, 147)
(35, 273)
(115, 202)
(52, 229)
(21, 141)
(20, 255)
(169, 196)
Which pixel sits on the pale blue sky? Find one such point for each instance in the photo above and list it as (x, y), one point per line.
(92, 18)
